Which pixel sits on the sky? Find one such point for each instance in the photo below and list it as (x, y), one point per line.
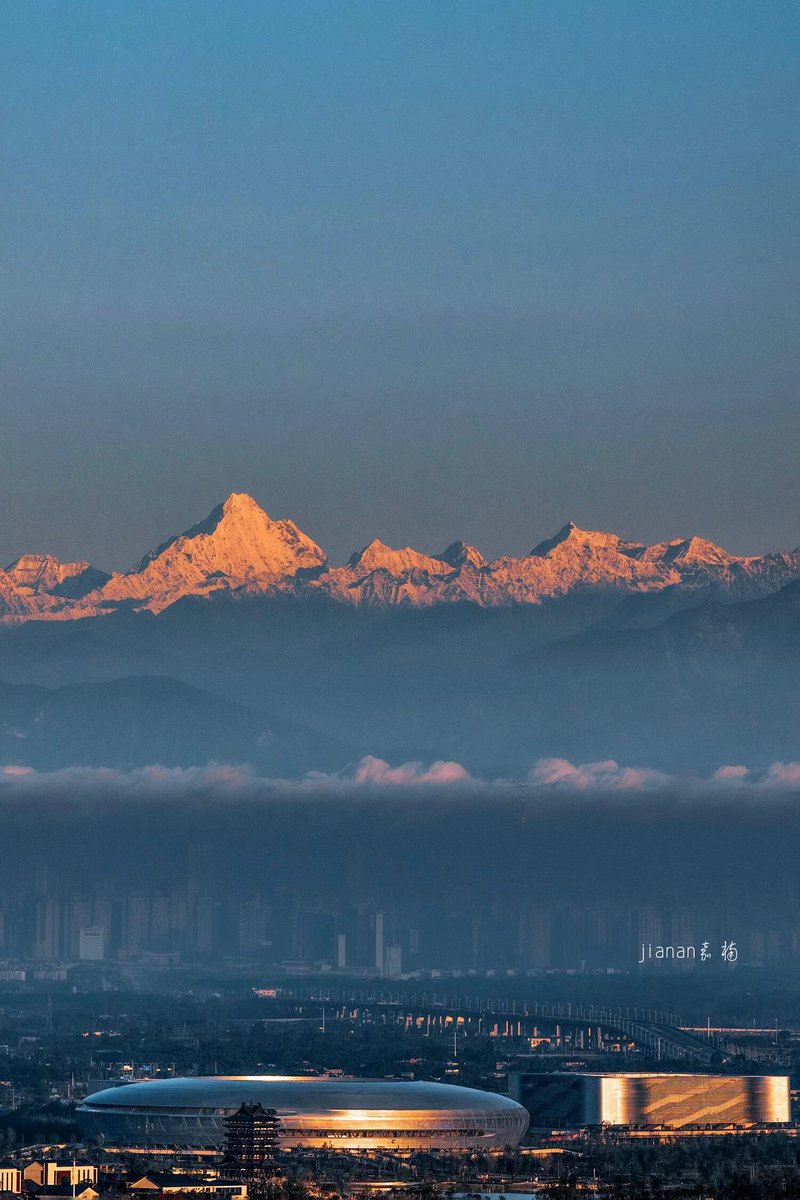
(402, 269)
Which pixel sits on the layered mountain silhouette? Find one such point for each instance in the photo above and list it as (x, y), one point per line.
(238, 641)
(239, 550)
(130, 723)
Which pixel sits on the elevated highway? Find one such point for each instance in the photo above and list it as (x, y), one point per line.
(664, 1035)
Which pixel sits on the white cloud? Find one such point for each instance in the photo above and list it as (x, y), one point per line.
(731, 774)
(376, 770)
(608, 774)
(782, 775)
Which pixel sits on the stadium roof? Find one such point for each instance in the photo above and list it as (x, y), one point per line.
(295, 1093)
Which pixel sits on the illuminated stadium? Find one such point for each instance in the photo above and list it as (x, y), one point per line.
(346, 1114)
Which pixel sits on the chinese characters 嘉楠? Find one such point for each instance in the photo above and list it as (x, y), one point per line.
(652, 952)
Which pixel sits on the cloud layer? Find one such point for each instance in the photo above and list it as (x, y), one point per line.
(375, 774)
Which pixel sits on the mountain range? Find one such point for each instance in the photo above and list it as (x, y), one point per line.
(239, 550)
(238, 641)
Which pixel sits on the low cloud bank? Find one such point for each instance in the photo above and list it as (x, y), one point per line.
(608, 775)
(375, 774)
(375, 770)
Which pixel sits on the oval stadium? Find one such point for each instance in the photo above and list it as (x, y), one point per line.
(347, 1114)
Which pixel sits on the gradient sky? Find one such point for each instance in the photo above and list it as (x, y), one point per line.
(417, 270)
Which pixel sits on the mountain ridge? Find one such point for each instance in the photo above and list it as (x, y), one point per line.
(238, 550)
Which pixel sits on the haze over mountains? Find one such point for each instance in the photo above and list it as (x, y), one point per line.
(238, 641)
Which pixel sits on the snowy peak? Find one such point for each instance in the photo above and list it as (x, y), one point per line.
(377, 556)
(698, 551)
(459, 554)
(239, 512)
(43, 573)
(238, 545)
(242, 503)
(572, 539)
(549, 544)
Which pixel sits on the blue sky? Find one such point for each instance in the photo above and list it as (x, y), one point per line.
(417, 270)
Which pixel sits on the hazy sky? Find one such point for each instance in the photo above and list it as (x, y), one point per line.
(422, 270)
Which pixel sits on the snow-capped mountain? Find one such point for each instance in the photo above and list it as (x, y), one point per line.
(574, 560)
(38, 585)
(237, 547)
(458, 554)
(240, 550)
(44, 574)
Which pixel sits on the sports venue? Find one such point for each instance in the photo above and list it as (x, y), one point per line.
(342, 1114)
(650, 1100)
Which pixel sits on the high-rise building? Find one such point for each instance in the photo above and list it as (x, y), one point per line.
(393, 961)
(91, 945)
(252, 927)
(49, 939)
(136, 929)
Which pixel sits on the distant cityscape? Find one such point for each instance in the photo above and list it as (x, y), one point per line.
(192, 924)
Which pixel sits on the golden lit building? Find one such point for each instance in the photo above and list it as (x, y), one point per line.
(560, 1100)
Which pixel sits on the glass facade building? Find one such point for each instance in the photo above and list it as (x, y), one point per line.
(653, 1100)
